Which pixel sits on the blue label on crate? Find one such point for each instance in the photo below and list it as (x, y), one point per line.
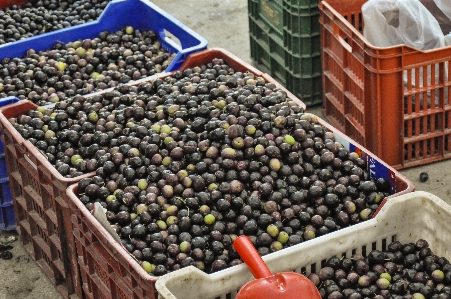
(375, 168)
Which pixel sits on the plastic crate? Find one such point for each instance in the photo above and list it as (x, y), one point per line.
(285, 42)
(7, 218)
(108, 271)
(39, 198)
(7, 3)
(397, 220)
(140, 14)
(370, 92)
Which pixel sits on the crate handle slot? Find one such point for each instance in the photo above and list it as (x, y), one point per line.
(342, 41)
(171, 39)
(169, 36)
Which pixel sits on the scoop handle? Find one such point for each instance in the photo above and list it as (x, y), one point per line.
(251, 258)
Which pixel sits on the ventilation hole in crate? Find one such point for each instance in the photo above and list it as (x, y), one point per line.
(360, 27)
(313, 268)
(121, 294)
(323, 263)
(60, 257)
(97, 294)
(393, 238)
(24, 236)
(16, 164)
(20, 215)
(34, 183)
(303, 270)
(447, 124)
(16, 188)
(55, 229)
(123, 271)
(37, 209)
(103, 276)
(42, 234)
(374, 246)
(354, 251)
(447, 95)
(59, 277)
(364, 250)
(384, 244)
(447, 144)
(346, 40)
(47, 260)
(13, 163)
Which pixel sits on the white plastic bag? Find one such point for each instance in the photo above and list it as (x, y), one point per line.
(394, 22)
(445, 7)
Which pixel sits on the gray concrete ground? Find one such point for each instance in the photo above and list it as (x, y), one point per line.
(224, 24)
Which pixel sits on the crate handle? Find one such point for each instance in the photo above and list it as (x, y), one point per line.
(342, 41)
(172, 39)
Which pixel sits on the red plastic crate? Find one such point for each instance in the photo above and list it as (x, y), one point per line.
(7, 3)
(40, 205)
(370, 95)
(107, 269)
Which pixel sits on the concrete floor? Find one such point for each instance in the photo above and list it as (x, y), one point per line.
(224, 24)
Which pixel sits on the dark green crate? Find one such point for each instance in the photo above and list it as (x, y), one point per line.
(266, 48)
(289, 51)
(301, 3)
(271, 11)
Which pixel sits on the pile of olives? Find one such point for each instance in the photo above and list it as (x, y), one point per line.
(40, 16)
(186, 163)
(83, 66)
(403, 271)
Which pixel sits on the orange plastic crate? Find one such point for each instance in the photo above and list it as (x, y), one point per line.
(369, 93)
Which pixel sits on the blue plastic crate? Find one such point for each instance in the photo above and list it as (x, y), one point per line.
(7, 218)
(140, 14)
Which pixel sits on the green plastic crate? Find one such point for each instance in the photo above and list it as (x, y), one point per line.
(285, 42)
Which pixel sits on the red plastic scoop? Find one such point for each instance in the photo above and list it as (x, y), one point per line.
(285, 285)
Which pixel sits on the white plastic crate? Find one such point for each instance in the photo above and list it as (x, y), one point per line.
(406, 218)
